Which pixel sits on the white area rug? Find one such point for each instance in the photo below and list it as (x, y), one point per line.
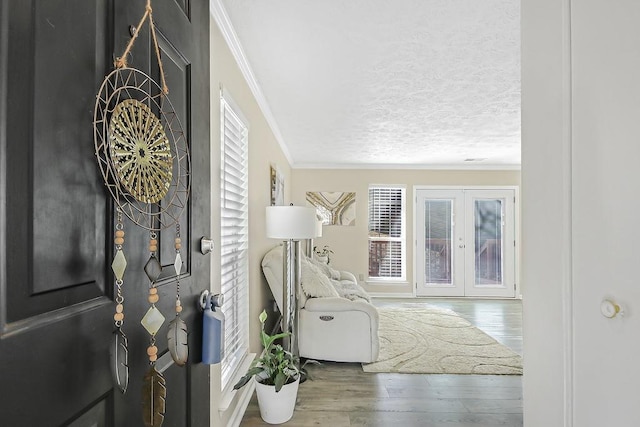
(434, 340)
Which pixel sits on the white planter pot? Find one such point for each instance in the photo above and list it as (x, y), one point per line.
(277, 408)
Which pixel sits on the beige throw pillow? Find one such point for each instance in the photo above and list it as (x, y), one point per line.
(331, 273)
(314, 282)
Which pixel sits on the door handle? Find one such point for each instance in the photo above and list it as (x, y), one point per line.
(206, 245)
(210, 301)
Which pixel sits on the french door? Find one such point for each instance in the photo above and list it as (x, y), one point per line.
(465, 242)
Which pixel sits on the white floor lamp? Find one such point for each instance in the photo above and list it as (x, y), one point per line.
(290, 224)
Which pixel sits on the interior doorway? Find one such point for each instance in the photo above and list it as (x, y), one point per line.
(465, 241)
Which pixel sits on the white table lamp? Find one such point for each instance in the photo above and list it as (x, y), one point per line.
(290, 222)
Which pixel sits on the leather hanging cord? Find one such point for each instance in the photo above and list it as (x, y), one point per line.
(121, 62)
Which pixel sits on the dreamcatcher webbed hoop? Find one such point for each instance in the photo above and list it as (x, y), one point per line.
(130, 94)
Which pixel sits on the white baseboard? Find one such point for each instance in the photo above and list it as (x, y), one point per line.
(390, 295)
(407, 296)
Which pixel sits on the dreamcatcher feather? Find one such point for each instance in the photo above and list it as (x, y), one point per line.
(120, 360)
(154, 394)
(177, 341)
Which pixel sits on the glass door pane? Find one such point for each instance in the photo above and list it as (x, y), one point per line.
(440, 249)
(490, 244)
(438, 241)
(488, 215)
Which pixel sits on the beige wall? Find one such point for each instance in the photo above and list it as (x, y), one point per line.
(350, 243)
(264, 150)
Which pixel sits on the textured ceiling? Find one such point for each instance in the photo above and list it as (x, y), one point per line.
(404, 83)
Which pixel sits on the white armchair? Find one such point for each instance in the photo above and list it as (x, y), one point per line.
(340, 329)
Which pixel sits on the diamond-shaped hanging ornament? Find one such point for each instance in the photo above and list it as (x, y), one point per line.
(153, 268)
(153, 320)
(119, 264)
(178, 263)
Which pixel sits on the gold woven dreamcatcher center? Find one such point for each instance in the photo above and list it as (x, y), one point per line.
(140, 151)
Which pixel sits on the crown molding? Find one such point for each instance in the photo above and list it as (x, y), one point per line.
(221, 17)
(462, 167)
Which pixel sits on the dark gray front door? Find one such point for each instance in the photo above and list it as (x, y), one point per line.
(57, 221)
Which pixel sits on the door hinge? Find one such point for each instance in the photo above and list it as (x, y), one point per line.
(514, 286)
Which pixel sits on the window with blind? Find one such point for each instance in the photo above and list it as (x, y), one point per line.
(233, 237)
(387, 232)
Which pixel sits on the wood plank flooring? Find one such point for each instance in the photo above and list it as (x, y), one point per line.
(342, 395)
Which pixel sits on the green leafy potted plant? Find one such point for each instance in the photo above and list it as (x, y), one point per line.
(277, 375)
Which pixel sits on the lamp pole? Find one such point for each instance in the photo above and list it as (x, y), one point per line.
(292, 272)
(290, 224)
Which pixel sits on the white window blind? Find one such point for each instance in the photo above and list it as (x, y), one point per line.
(387, 232)
(234, 238)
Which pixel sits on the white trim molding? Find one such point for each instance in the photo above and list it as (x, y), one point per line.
(396, 166)
(547, 213)
(221, 17)
(242, 396)
(567, 215)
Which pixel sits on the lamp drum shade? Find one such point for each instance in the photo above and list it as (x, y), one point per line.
(290, 222)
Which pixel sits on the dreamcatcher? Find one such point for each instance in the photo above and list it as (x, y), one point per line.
(143, 156)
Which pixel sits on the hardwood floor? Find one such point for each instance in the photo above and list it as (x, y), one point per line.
(342, 395)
